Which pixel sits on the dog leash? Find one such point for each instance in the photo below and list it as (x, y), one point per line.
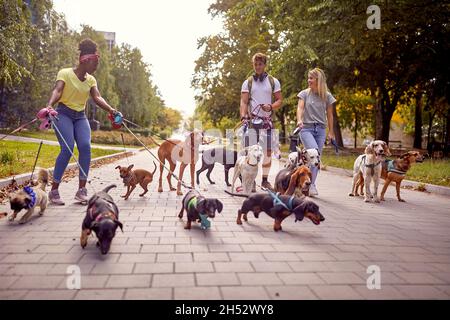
(35, 161)
(20, 128)
(124, 149)
(157, 159)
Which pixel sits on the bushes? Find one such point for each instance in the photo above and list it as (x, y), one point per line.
(114, 137)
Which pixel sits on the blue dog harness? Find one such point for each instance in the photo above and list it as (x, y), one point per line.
(32, 194)
(391, 168)
(277, 200)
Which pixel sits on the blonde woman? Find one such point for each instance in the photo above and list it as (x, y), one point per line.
(314, 111)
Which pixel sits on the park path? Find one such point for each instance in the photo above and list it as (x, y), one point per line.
(155, 258)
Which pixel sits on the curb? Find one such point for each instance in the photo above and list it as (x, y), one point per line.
(432, 188)
(25, 176)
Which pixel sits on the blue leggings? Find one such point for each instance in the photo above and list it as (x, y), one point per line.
(313, 138)
(74, 127)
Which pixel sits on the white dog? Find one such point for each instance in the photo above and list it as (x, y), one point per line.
(308, 157)
(247, 167)
(369, 166)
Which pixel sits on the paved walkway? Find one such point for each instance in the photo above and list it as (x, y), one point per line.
(155, 258)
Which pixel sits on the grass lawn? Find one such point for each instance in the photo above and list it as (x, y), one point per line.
(430, 171)
(18, 157)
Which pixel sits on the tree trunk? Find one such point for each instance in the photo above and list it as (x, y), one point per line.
(337, 127)
(356, 129)
(418, 122)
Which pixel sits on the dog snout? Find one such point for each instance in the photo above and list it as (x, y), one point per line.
(307, 183)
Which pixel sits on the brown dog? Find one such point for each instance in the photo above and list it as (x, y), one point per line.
(186, 152)
(297, 181)
(395, 170)
(132, 177)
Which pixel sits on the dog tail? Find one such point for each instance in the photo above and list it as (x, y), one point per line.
(43, 178)
(236, 194)
(154, 141)
(155, 168)
(109, 188)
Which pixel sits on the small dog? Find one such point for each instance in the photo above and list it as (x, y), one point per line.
(186, 152)
(132, 177)
(221, 155)
(247, 167)
(368, 165)
(394, 170)
(195, 205)
(102, 216)
(293, 181)
(263, 202)
(309, 157)
(30, 198)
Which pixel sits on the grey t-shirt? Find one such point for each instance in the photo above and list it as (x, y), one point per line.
(315, 107)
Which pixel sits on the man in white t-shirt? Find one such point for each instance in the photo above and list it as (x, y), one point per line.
(260, 96)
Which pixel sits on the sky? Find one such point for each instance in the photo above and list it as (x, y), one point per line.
(166, 32)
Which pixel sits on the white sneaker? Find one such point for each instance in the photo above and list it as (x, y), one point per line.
(313, 191)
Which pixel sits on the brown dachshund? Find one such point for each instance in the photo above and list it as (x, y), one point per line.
(186, 152)
(395, 171)
(133, 177)
(263, 202)
(293, 181)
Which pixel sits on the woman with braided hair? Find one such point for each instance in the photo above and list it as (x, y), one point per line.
(73, 88)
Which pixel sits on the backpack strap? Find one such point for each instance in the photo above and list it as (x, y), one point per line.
(250, 83)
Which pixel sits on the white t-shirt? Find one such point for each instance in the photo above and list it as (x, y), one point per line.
(261, 94)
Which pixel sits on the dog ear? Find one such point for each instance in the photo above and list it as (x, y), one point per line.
(219, 206)
(118, 167)
(119, 224)
(292, 183)
(94, 225)
(386, 149)
(369, 148)
(130, 167)
(299, 211)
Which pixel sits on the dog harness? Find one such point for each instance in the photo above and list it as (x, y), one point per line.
(371, 166)
(277, 200)
(204, 222)
(391, 168)
(32, 194)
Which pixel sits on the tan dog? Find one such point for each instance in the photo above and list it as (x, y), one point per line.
(299, 182)
(368, 166)
(30, 200)
(133, 177)
(186, 152)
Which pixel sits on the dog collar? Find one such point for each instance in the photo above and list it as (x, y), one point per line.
(252, 165)
(108, 215)
(32, 194)
(128, 179)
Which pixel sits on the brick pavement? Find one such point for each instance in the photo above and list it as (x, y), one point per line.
(155, 258)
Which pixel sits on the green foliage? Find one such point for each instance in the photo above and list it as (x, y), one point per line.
(35, 43)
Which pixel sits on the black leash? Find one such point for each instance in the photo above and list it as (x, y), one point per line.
(35, 161)
(124, 149)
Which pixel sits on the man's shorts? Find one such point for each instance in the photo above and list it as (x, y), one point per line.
(263, 136)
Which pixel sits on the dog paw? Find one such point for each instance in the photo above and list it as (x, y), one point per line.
(160, 190)
(212, 182)
(351, 194)
(11, 218)
(401, 200)
(187, 227)
(239, 222)
(123, 196)
(180, 216)
(179, 193)
(172, 189)
(366, 200)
